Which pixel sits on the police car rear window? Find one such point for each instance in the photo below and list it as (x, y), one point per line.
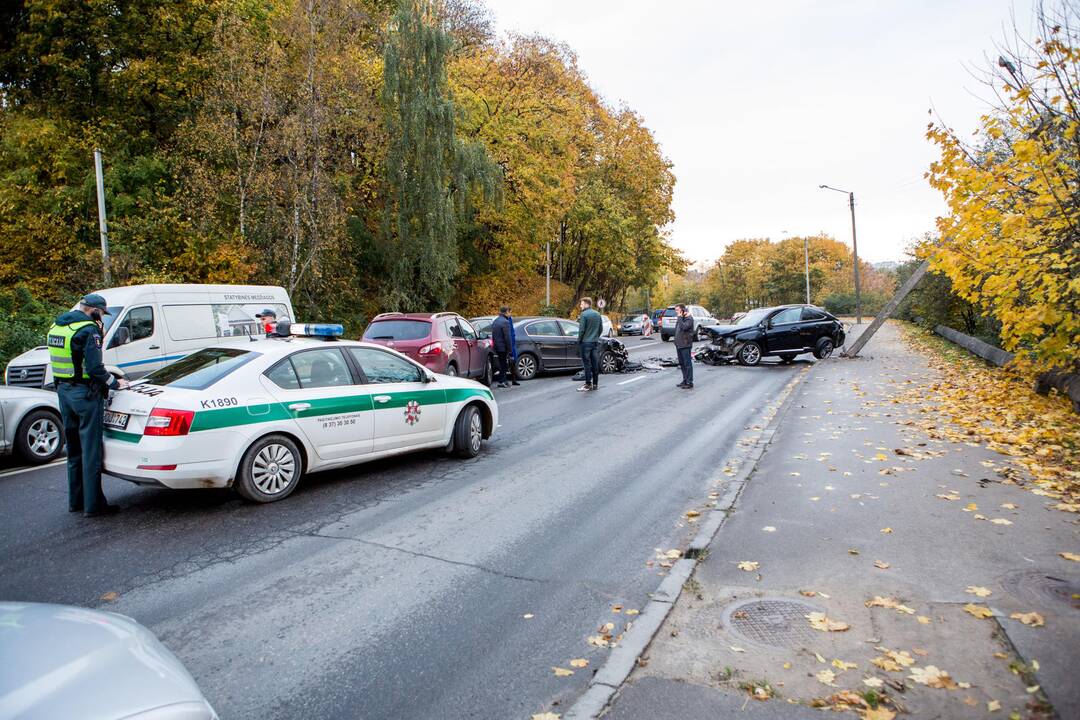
(201, 369)
(398, 330)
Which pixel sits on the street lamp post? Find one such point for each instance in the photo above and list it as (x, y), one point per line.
(854, 250)
(806, 259)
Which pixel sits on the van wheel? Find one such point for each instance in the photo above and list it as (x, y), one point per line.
(527, 366)
(468, 433)
(40, 437)
(270, 470)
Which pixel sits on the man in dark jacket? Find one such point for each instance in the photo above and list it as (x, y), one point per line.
(502, 339)
(589, 328)
(82, 382)
(684, 341)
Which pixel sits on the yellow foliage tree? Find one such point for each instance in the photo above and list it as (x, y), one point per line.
(1011, 241)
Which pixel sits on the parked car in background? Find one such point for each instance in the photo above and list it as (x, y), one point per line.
(701, 316)
(482, 325)
(658, 316)
(634, 324)
(545, 344)
(443, 342)
(785, 332)
(30, 425)
(62, 661)
(607, 329)
(149, 326)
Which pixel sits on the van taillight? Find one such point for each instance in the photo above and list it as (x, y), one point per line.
(163, 421)
(431, 349)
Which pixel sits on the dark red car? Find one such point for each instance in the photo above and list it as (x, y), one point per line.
(443, 342)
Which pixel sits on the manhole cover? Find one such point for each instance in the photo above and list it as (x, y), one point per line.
(1041, 586)
(780, 622)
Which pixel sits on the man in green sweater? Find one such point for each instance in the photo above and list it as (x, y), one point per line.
(589, 328)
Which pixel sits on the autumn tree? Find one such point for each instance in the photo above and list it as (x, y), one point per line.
(1010, 243)
(430, 170)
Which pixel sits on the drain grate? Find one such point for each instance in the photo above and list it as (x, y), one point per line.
(1041, 586)
(779, 622)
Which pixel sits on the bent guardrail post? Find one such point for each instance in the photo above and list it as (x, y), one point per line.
(888, 310)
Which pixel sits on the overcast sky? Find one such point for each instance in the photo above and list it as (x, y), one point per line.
(758, 103)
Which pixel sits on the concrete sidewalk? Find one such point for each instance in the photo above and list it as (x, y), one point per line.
(903, 543)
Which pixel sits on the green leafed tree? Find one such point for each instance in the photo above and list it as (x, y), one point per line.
(430, 171)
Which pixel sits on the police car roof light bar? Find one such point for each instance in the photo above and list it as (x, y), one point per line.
(324, 330)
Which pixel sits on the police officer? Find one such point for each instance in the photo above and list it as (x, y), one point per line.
(81, 385)
(268, 318)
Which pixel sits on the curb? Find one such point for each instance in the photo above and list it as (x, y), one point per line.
(621, 661)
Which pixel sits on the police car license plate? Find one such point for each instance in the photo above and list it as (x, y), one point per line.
(116, 420)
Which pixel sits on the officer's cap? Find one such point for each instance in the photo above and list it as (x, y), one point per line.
(267, 313)
(96, 301)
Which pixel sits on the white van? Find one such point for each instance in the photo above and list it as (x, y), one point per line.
(152, 325)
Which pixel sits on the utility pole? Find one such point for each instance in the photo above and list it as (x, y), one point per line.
(106, 271)
(854, 251)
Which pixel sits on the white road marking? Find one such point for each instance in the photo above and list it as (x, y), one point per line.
(19, 471)
(643, 345)
(633, 379)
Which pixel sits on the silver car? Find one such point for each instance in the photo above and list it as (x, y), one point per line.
(61, 661)
(30, 424)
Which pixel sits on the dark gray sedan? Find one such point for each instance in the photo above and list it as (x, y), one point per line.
(545, 344)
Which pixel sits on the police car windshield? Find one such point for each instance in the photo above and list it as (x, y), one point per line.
(398, 330)
(201, 369)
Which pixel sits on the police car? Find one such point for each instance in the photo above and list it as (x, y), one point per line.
(257, 415)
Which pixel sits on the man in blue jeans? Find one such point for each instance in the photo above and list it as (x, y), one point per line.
(589, 328)
(684, 341)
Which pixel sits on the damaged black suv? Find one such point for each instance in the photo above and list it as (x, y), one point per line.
(784, 331)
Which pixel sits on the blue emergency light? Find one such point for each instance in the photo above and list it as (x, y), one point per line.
(317, 329)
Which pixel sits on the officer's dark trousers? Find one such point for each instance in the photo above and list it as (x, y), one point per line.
(82, 410)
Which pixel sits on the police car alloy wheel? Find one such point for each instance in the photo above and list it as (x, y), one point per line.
(270, 469)
(39, 438)
(468, 433)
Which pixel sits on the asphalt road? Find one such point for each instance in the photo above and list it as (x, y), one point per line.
(397, 589)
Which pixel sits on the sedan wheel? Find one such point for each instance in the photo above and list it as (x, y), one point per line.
(39, 438)
(270, 469)
(750, 354)
(526, 367)
(608, 364)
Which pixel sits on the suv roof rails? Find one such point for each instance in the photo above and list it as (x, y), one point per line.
(386, 314)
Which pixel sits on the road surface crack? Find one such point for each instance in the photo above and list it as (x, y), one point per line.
(427, 556)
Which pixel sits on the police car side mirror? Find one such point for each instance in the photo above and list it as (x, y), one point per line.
(429, 377)
(122, 336)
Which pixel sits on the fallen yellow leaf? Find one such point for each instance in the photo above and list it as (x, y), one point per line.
(978, 590)
(881, 565)
(819, 621)
(632, 612)
(692, 513)
(597, 640)
(546, 716)
(886, 531)
(993, 706)
(1070, 556)
(923, 619)
(736, 648)
(826, 677)
(1001, 521)
(561, 672)
(979, 611)
(111, 596)
(579, 663)
(932, 677)
(879, 713)
(1033, 619)
(748, 565)
(873, 682)
(842, 666)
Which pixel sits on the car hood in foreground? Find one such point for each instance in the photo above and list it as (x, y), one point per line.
(65, 662)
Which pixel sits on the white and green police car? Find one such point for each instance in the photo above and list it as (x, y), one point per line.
(257, 415)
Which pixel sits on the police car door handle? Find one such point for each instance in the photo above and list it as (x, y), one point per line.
(300, 406)
(381, 398)
(154, 347)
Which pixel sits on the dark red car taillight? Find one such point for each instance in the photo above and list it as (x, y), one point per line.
(163, 421)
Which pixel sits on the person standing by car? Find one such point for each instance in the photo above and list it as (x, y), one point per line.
(590, 326)
(684, 341)
(268, 319)
(513, 350)
(82, 382)
(502, 339)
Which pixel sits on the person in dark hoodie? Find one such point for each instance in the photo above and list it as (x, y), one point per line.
(502, 339)
(82, 382)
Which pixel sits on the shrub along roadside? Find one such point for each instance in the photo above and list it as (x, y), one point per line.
(28, 320)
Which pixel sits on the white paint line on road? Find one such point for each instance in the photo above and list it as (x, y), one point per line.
(19, 471)
(643, 345)
(633, 379)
